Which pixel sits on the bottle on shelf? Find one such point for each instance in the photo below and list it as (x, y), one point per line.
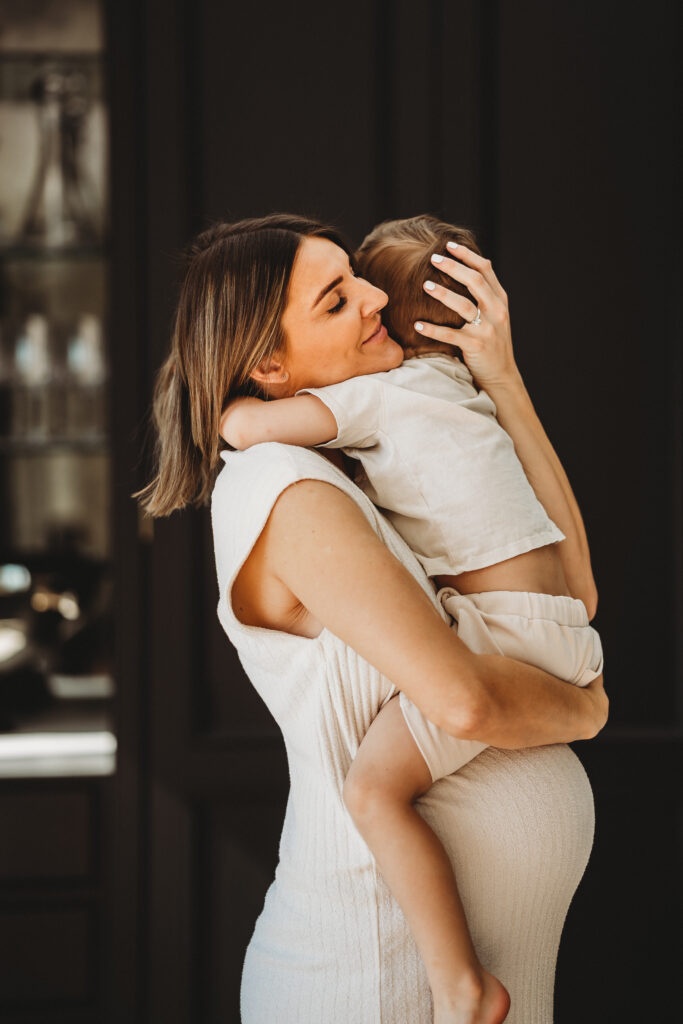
(86, 398)
(33, 400)
(61, 210)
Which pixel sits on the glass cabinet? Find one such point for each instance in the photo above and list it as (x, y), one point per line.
(56, 619)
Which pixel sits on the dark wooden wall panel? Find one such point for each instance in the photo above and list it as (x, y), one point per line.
(431, 100)
(34, 944)
(237, 866)
(46, 835)
(465, 117)
(287, 100)
(587, 233)
(413, 108)
(174, 882)
(126, 821)
(55, 899)
(175, 574)
(623, 929)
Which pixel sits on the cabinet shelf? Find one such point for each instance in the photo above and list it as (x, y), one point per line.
(67, 56)
(64, 254)
(39, 446)
(69, 738)
(41, 754)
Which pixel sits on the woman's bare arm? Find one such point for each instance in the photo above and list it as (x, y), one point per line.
(319, 549)
(546, 475)
(487, 350)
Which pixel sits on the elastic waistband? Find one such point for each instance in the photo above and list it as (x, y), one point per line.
(567, 611)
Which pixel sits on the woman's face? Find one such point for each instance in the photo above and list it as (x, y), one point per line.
(332, 323)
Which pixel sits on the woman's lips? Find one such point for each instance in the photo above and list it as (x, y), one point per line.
(379, 335)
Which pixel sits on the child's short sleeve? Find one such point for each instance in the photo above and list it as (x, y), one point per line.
(357, 405)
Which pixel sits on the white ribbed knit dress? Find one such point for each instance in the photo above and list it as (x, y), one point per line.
(331, 945)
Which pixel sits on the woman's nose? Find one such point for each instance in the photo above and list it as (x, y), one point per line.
(374, 299)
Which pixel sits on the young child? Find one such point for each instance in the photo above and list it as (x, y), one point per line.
(433, 456)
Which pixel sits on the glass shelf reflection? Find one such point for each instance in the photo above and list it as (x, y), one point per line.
(56, 666)
(28, 446)
(66, 254)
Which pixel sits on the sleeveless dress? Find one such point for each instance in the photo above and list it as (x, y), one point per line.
(331, 945)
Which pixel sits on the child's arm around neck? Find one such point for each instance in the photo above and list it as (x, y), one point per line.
(302, 420)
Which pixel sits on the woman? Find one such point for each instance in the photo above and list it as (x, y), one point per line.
(331, 614)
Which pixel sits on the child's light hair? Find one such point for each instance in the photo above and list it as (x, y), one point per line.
(396, 257)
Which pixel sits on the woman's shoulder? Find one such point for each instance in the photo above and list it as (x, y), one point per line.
(263, 465)
(250, 481)
(249, 484)
(247, 488)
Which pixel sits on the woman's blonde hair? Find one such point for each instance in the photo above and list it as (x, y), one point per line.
(227, 320)
(396, 257)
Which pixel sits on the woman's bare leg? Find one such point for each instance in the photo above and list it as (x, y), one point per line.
(387, 775)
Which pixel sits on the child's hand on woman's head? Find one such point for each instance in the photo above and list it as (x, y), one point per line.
(487, 343)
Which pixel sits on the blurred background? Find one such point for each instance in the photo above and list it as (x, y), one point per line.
(142, 781)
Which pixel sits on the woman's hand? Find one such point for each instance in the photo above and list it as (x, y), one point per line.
(601, 703)
(486, 346)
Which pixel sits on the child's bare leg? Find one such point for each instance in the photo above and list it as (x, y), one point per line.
(387, 775)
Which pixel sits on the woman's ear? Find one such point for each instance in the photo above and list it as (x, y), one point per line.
(270, 371)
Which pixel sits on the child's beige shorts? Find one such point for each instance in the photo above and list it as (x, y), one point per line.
(550, 632)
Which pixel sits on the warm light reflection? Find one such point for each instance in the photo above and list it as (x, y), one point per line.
(14, 578)
(55, 744)
(12, 638)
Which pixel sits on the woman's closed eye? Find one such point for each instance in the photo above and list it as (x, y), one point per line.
(340, 305)
(342, 300)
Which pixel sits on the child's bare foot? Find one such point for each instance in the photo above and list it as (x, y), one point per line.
(484, 1003)
(495, 1002)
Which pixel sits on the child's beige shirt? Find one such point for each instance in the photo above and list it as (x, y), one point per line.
(435, 458)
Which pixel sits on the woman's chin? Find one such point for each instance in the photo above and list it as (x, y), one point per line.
(388, 354)
(395, 354)
(385, 354)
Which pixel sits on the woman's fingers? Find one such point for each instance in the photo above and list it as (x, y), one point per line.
(458, 303)
(473, 280)
(450, 335)
(479, 263)
(484, 340)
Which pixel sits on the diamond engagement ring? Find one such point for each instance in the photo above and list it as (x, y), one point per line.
(477, 319)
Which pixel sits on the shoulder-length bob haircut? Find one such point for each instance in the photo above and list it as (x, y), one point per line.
(228, 319)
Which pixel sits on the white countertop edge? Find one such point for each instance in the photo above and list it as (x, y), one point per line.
(56, 767)
(57, 753)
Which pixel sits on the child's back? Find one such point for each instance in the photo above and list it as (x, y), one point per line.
(431, 449)
(436, 459)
